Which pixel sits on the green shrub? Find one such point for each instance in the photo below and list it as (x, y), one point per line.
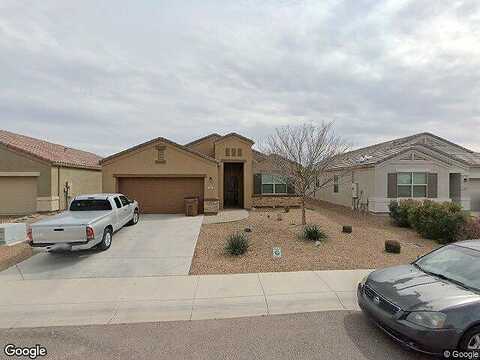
(313, 233)
(393, 246)
(399, 212)
(237, 244)
(470, 230)
(443, 222)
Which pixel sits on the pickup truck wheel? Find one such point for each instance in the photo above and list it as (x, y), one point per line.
(106, 240)
(135, 218)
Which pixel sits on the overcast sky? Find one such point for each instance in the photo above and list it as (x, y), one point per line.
(105, 75)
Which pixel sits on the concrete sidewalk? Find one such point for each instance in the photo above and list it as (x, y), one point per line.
(53, 302)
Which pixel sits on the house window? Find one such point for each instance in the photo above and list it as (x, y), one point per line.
(227, 151)
(335, 183)
(412, 184)
(234, 152)
(273, 184)
(239, 152)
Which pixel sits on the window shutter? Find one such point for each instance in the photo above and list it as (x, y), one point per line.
(432, 187)
(392, 185)
(290, 187)
(257, 184)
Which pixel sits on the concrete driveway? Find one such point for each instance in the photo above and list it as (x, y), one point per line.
(158, 245)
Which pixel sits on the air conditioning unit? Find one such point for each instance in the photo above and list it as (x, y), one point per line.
(355, 190)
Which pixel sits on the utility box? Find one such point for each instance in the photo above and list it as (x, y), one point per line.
(355, 190)
(11, 233)
(191, 206)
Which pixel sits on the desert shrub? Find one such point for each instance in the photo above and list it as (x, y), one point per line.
(313, 233)
(237, 244)
(393, 246)
(438, 221)
(399, 212)
(470, 229)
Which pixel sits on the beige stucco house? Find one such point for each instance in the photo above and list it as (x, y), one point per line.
(37, 175)
(421, 166)
(221, 171)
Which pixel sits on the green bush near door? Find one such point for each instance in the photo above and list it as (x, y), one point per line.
(443, 222)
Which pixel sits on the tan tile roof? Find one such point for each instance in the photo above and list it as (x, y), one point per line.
(159, 139)
(47, 151)
(374, 154)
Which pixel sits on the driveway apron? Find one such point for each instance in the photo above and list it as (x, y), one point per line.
(158, 245)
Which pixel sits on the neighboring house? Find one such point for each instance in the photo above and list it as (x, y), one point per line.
(222, 170)
(34, 174)
(421, 166)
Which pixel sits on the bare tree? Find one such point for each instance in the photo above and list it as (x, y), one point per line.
(303, 154)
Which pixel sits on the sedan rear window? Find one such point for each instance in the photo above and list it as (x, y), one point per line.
(90, 205)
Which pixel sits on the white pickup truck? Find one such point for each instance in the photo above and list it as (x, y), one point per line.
(90, 221)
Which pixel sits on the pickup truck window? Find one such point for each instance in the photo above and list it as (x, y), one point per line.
(124, 200)
(90, 205)
(117, 202)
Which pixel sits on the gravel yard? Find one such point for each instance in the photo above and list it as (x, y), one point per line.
(11, 255)
(362, 249)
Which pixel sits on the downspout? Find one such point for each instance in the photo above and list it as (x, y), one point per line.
(58, 186)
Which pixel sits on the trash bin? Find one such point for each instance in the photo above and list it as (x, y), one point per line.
(191, 206)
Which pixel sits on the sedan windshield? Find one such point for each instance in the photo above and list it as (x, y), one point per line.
(90, 205)
(455, 263)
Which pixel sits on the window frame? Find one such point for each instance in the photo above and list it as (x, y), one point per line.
(274, 182)
(117, 202)
(412, 185)
(336, 184)
(126, 202)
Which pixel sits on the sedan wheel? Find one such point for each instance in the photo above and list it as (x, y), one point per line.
(474, 342)
(135, 217)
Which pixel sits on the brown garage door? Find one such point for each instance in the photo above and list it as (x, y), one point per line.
(162, 195)
(18, 195)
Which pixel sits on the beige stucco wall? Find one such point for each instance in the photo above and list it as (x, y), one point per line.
(246, 158)
(177, 162)
(380, 202)
(206, 146)
(81, 181)
(364, 177)
(15, 161)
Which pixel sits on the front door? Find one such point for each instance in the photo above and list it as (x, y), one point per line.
(233, 185)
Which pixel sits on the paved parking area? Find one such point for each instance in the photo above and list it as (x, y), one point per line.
(158, 245)
(32, 303)
(335, 335)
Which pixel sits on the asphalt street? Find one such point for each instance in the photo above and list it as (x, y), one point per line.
(317, 335)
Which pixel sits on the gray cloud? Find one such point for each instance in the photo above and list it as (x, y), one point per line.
(105, 76)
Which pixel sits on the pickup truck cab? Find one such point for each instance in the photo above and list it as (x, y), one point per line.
(90, 221)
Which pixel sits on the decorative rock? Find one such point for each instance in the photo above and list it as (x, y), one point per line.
(392, 246)
(317, 243)
(279, 217)
(247, 230)
(347, 229)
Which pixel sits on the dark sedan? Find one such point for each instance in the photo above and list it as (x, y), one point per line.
(432, 304)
